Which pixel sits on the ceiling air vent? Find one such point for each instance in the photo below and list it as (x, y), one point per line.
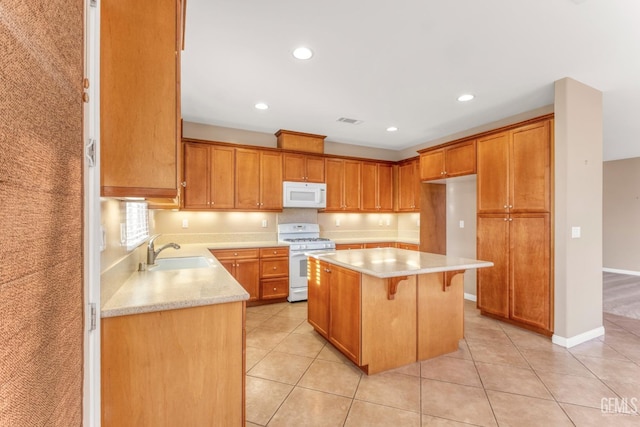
(349, 121)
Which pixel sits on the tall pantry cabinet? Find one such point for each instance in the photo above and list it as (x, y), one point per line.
(514, 225)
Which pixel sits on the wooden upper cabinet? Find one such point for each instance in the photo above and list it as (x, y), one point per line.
(409, 186)
(208, 176)
(448, 162)
(529, 168)
(343, 184)
(514, 170)
(493, 173)
(258, 179)
(377, 187)
(139, 98)
(432, 165)
(270, 180)
(300, 167)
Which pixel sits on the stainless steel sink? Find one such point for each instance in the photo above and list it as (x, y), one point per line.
(180, 263)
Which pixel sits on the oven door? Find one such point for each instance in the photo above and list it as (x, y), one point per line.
(298, 274)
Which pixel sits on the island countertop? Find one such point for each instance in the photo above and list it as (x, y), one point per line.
(391, 262)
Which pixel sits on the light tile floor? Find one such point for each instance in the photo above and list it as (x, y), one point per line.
(501, 375)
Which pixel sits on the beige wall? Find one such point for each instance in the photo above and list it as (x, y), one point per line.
(461, 206)
(262, 139)
(578, 203)
(621, 215)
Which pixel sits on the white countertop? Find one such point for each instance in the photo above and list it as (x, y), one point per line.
(148, 291)
(392, 262)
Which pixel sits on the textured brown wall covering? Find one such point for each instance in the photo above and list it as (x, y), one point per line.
(41, 291)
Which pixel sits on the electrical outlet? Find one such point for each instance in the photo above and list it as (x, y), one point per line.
(576, 232)
(337, 223)
(388, 222)
(461, 224)
(185, 223)
(264, 223)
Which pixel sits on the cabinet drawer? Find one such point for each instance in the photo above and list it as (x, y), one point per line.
(275, 267)
(407, 246)
(274, 252)
(235, 253)
(379, 245)
(343, 246)
(274, 288)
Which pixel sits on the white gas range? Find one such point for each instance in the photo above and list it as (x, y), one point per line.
(302, 238)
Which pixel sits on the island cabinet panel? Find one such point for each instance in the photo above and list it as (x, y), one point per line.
(208, 176)
(318, 296)
(389, 328)
(440, 314)
(344, 309)
(180, 367)
(140, 98)
(300, 167)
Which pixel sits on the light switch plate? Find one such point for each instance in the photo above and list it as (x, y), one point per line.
(576, 232)
(461, 224)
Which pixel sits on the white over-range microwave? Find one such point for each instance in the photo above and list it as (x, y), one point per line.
(304, 195)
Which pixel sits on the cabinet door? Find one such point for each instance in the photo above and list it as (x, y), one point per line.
(530, 185)
(247, 179)
(247, 273)
(385, 187)
(335, 184)
(369, 199)
(530, 269)
(196, 176)
(406, 187)
(432, 165)
(229, 265)
(271, 181)
(315, 169)
(139, 108)
(274, 288)
(352, 171)
(318, 296)
(493, 282)
(344, 303)
(294, 167)
(460, 159)
(493, 173)
(222, 177)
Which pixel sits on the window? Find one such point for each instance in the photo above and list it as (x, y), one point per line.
(136, 224)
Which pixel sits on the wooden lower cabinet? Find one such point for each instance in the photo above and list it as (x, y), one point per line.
(244, 266)
(344, 306)
(174, 367)
(518, 286)
(353, 311)
(408, 246)
(347, 246)
(262, 272)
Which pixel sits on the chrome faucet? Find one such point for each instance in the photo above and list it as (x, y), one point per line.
(151, 250)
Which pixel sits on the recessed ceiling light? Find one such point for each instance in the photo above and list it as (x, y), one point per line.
(466, 97)
(262, 106)
(392, 129)
(302, 53)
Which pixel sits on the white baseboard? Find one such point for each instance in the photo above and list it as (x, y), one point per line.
(578, 339)
(615, 270)
(470, 297)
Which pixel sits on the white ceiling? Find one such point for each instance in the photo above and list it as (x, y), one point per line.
(404, 63)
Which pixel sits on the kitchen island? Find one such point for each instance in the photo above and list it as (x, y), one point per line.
(384, 308)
